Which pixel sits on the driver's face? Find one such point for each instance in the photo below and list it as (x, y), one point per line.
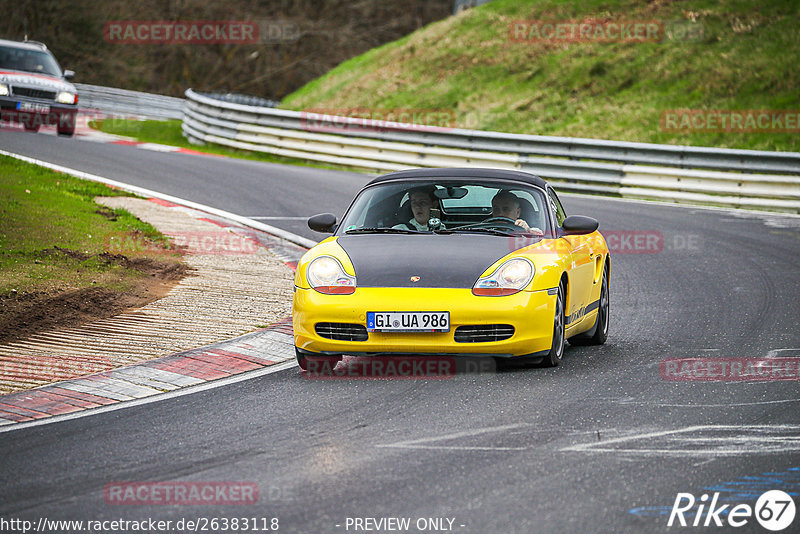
(421, 206)
(505, 207)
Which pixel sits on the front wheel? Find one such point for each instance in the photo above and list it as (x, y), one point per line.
(66, 131)
(319, 364)
(302, 361)
(553, 358)
(599, 332)
(66, 125)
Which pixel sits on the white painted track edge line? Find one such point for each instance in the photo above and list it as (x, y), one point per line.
(278, 232)
(247, 375)
(679, 453)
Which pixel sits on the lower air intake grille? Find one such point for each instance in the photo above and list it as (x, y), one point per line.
(481, 333)
(34, 93)
(342, 331)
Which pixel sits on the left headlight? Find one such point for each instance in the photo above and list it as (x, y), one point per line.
(65, 97)
(326, 275)
(511, 277)
(4, 90)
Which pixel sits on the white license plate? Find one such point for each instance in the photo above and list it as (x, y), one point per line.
(408, 321)
(33, 108)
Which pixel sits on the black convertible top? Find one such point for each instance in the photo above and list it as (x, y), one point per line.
(413, 174)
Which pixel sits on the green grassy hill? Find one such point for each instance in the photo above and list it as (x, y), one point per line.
(717, 55)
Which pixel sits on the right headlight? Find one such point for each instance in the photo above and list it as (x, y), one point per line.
(511, 277)
(4, 91)
(65, 97)
(326, 275)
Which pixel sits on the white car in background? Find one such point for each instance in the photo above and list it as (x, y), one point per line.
(34, 91)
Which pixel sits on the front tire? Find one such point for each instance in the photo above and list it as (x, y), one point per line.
(302, 361)
(553, 358)
(599, 332)
(66, 126)
(66, 131)
(317, 362)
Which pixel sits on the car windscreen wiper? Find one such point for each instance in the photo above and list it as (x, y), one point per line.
(493, 231)
(382, 231)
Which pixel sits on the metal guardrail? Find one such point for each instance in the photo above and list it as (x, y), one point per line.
(715, 176)
(247, 100)
(124, 102)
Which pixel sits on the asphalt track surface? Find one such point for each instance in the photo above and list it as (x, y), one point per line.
(602, 443)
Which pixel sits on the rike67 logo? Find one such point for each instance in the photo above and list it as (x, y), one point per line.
(774, 510)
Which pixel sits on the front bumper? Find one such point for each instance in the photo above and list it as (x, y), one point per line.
(62, 115)
(529, 312)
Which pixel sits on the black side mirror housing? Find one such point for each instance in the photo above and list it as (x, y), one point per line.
(579, 225)
(323, 222)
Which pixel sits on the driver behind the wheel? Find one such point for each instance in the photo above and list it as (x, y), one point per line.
(506, 204)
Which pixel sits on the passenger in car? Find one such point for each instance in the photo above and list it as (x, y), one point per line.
(421, 200)
(506, 204)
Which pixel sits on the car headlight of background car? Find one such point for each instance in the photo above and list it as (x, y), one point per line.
(65, 97)
(326, 275)
(4, 90)
(511, 277)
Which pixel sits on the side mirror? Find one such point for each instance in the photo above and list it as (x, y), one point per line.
(579, 225)
(324, 222)
(68, 74)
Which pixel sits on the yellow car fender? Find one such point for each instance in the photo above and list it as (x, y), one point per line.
(328, 247)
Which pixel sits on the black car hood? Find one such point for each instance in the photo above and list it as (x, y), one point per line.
(454, 260)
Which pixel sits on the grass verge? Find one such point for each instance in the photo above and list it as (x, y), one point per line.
(57, 253)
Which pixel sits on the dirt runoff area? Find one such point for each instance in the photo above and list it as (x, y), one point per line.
(23, 314)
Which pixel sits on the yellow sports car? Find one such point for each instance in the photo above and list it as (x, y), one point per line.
(477, 262)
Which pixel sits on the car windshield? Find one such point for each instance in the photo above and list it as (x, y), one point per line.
(28, 61)
(477, 206)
